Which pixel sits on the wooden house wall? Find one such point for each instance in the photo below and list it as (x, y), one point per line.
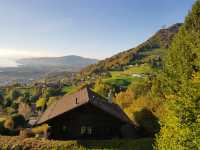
(85, 122)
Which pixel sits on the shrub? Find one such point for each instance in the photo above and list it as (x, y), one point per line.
(180, 127)
(154, 106)
(141, 87)
(40, 129)
(2, 129)
(41, 103)
(49, 92)
(26, 133)
(125, 99)
(147, 121)
(19, 143)
(19, 121)
(9, 123)
(101, 88)
(24, 110)
(14, 94)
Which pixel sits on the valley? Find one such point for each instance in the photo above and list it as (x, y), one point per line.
(33, 69)
(143, 98)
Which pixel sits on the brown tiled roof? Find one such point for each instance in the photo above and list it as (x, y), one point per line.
(83, 96)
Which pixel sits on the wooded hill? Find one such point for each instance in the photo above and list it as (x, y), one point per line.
(161, 40)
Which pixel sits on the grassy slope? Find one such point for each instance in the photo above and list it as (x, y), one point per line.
(156, 44)
(121, 78)
(17, 143)
(125, 78)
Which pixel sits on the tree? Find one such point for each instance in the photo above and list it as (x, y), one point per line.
(9, 123)
(40, 104)
(14, 94)
(24, 110)
(19, 121)
(49, 92)
(180, 127)
(35, 93)
(125, 99)
(101, 88)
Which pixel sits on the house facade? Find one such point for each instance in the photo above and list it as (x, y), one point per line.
(86, 115)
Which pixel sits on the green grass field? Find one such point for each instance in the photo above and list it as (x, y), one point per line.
(67, 89)
(126, 77)
(122, 81)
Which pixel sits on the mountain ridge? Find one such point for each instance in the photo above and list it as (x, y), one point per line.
(160, 40)
(72, 61)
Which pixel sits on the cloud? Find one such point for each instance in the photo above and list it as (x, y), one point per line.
(13, 53)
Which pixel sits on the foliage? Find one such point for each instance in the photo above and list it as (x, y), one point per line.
(49, 92)
(19, 121)
(147, 121)
(35, 93)
(161, 40)
(141, 88)
(125, 99)
(9, 123)
(40, 129)
(19, 143)
(2, 126)
(41, 103)
(67, 89)
(9, 110)
(101, 88)
(180, 128)
(24, 110)
(140, 107)
(26, 133)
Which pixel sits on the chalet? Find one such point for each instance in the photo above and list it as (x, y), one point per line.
(86, 115)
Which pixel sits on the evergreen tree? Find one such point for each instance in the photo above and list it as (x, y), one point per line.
(180, 83)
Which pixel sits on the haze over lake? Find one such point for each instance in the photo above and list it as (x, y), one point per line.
(7, 62)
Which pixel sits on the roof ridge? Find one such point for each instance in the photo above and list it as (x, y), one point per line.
(79, 98)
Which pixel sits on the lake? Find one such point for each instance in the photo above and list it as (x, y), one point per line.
(5, 62)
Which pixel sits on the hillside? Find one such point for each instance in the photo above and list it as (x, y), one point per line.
(148, 51)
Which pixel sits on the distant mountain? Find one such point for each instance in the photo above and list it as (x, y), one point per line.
(51, 68)
(153, 48)
(68, 62)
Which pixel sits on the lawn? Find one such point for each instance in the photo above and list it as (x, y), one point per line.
(141, 69)
(67, 89)
(126, 77)
(120, 81)
(17, 143)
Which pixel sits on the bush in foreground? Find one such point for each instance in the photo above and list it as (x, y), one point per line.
(17, 143)
(180, 126)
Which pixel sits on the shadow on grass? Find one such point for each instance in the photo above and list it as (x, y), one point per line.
(122, 144)
(147, 121)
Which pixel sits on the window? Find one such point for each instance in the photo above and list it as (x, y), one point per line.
(83, 130)
(89, 130)
(64, 129)
(86, 130)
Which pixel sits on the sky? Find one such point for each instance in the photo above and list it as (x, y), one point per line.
(89, 28)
